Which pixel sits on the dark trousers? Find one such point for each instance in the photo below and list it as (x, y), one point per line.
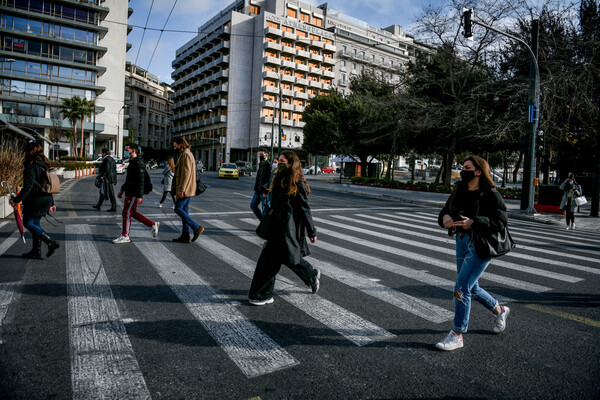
(111, 196)
(569, 213)
(164, 197)
(263, 281)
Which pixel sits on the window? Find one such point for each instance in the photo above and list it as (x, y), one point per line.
(292, 13)
(304, 17)
(318, 21)
(301, 47)
(344, 49)
(287, 29)
(254, 10)
(300, 75)
(270, 53)
(286, 58)
(272, 24)
(313, 64)
(343, 65)
(315, 37)
(271, 39)
(301, 34)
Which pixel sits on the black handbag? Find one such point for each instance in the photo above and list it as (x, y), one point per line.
(200, 187)
(264, 228)
(494, 245)
(98, 181)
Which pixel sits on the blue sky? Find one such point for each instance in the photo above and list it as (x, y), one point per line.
(188, 15)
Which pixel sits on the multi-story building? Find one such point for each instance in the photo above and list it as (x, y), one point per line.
(147, 109)
(254, 67)
(56, 49)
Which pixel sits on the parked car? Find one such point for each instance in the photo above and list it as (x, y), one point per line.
(162, 164)
(311, 170)
(401, 169)
(121, 167)
(328, 170)
(229, 171)
(244, 167)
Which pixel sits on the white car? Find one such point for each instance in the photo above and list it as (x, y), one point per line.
(121, 166)
(311, 170)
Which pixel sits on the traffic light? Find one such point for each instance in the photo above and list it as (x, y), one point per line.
(467, 22)
(539, 143)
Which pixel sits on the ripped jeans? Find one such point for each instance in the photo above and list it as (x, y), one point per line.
(470, 267)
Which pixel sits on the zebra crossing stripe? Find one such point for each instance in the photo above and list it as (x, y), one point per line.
(8, 242)
(103, 364)
(418, 307)
(351, 326)
(499, 263)
(253, 352)
(7, 291)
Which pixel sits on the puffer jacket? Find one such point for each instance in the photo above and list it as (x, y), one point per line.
(134, 182)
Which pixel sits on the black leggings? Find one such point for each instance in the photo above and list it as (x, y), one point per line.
(570, 213)
(164, 196)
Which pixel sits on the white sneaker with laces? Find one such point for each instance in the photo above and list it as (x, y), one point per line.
(155, 229)
(451, 342)
(262, 302)
(500, 322)
(573, 226)
(122, 239)
(158, 204)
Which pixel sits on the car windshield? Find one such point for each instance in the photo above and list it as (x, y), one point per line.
(228, 166)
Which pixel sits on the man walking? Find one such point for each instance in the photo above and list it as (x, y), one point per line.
(108, 173)
(134, 193)
(261, 186)
(184, 186)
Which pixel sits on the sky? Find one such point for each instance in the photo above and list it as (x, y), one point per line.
(185, 16)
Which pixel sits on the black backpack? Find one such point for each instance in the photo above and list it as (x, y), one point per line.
(147, 182)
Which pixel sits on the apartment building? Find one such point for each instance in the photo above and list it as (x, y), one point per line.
(147, 109)
(253, 68)
(53, 49)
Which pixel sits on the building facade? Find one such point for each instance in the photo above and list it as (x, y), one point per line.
(147, 109)
(51, 50)
(253, 68)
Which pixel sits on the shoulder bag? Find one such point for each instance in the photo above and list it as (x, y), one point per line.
(581, 200)
(495, 245)
(264, 228)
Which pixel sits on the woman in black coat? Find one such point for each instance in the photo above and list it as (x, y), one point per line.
(36, 203)
(290, 224)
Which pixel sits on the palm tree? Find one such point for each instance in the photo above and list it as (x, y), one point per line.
(87, 107)
(71, 109)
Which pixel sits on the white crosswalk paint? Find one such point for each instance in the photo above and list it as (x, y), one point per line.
(497, 262)
(418, 307)
(253, 352)
(103, 364)
(9, 241)
(351, 326)
(7, 291)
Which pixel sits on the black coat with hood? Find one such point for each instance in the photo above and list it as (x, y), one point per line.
(35, 202)
(134, 181)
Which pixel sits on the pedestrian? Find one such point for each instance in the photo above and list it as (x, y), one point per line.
(473, 208)
(291, 223)
(184, 185)
(36, 203)
(167, 182)
(571, 189)
(108, 174)
(134, 193)
(261, 186)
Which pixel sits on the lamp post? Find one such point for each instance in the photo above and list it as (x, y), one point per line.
(118, 129)
(212, 141)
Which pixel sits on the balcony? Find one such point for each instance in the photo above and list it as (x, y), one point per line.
(270, 90)
(300, 95)
(329, 74)
(288, 50)
(330, 47)
(270, 75)
(302, 67)
(272, 31)
(272, 46)
(271, 60)
(316, 57)
(301, 81)
(288, 64)
(315, 71)
(328, 60)
(287, 78)
(288, 35)
(299, 124)
(302, 54)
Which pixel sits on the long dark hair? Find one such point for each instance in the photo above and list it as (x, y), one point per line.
(33, 151)
(484, 167)
(295, 174)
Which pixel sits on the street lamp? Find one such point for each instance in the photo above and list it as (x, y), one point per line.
(212, 140)
(118, 129)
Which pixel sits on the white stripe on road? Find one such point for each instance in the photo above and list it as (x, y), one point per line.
(418, 307)
(243, 195)
(354, 328)
(247, 346)
(8, 242)
(7, 290)
(103, 364)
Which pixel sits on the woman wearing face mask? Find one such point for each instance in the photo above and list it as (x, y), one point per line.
(571, 189)
(474, 207)
(291, 223)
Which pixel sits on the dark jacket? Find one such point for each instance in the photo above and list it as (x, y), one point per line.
(292, 222)
(134, 182)
(263, 177)
(490, 214)
(108, 169)
(35, 202)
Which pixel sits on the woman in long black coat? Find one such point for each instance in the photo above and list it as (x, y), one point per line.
(291, 223)
(36, 203)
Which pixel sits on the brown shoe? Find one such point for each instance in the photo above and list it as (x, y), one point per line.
(182, 239)
(197, 233)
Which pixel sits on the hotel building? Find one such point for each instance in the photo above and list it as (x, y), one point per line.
(256, 65)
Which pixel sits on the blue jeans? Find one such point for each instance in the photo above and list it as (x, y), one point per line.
(257, 199)
(470, 267)
(181, 209)
(33, 225)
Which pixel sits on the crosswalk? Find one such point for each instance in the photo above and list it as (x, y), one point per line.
(377, 254)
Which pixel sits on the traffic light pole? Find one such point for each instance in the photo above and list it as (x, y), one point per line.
(528, 188)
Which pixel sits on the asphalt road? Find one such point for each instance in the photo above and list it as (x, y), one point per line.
(163, 320)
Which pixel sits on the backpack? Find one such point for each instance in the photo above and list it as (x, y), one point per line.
(50, 182)
(147, 182)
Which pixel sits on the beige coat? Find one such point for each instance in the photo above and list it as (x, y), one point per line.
(185, 174)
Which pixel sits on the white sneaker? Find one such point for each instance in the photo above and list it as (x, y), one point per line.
(573, 226)
(451, 342)
(155, 229)
(157, 204)
(500, 323)
(122, 239)
(262, 302)
(568, 227)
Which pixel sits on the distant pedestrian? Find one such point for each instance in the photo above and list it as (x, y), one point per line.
(291, 223)
(108, 174)
(261, 186)
(36, 203)
(167, 182)
(184, 186)
(474, 207)
(134, 193)
(571, 189)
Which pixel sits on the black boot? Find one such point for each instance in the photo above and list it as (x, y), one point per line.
(36, 251)
(52, 244)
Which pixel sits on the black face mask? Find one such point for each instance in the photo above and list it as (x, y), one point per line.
(467, 176)
(282, 167)
(263, 158)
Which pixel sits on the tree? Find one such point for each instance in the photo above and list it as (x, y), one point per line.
(87, 107)
(72, 110)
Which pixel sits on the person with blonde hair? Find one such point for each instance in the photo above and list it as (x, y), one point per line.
(167, 182)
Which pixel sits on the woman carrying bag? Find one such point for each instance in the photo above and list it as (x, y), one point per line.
(571, 190)
(289, 222)
(475, 209)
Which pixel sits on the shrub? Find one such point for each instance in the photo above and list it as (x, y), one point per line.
(73, 158)
(11, 167)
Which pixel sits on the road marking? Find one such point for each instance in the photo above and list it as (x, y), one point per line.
(413, 305)
(9, 241)
(7, 290)
(103, 364)
(247, 346)
(69, 205)
(562, 314)
(351, 326)
(243, 195)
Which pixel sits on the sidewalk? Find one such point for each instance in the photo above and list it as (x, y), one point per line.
(583, 221)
